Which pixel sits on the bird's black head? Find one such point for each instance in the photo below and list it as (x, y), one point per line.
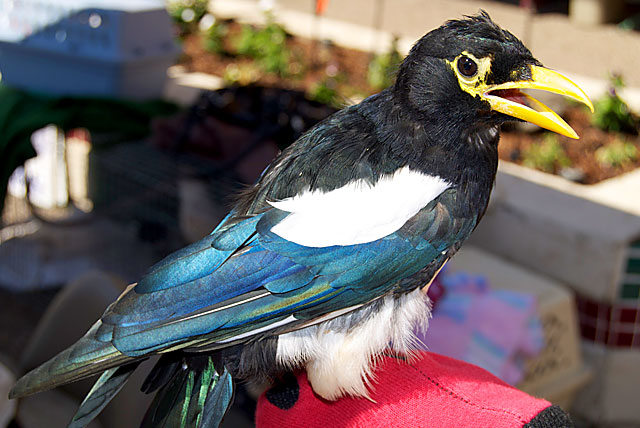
(467, 75)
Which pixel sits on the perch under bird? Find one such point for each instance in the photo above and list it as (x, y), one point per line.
(323, 263)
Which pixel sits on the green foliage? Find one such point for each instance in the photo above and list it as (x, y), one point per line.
(186, 13)
(266, 45)
(619, 153)
(242, 74)
(325, 93)
(383, 67)
(547, 155)
(612, 114)
(213, 38)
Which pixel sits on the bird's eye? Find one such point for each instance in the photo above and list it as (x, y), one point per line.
(467, 67)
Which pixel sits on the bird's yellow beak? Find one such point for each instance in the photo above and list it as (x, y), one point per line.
(508, 99)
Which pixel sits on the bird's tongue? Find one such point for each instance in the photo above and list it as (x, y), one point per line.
(513, 95)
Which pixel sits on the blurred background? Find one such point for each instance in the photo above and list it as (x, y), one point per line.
(127, 125)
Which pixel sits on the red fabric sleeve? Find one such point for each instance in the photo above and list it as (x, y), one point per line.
(434, 391)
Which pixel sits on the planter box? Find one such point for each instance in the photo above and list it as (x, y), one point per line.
(611, 400)
(581, 235)
(595, 12)
(587, 237)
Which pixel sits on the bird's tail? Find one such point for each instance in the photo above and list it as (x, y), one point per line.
(192, 392)
(84, 358)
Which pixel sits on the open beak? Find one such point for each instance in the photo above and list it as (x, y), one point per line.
(508, 99)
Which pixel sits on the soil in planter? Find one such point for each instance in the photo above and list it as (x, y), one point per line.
(582, 164)
(345, 71)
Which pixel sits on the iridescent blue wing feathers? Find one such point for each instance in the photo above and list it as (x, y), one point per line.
(257, 281)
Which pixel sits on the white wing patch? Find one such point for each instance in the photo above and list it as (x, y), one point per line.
(358, 212)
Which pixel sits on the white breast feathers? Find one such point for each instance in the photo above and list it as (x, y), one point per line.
(339, 354)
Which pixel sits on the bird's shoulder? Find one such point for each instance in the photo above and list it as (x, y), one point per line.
(345, 147)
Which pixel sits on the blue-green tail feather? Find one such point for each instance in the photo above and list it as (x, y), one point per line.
(196, 396)
(105, 388)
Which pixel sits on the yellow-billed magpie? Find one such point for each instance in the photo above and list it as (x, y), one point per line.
(323, 263)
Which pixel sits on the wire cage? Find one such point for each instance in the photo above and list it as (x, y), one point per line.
(138, 182)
